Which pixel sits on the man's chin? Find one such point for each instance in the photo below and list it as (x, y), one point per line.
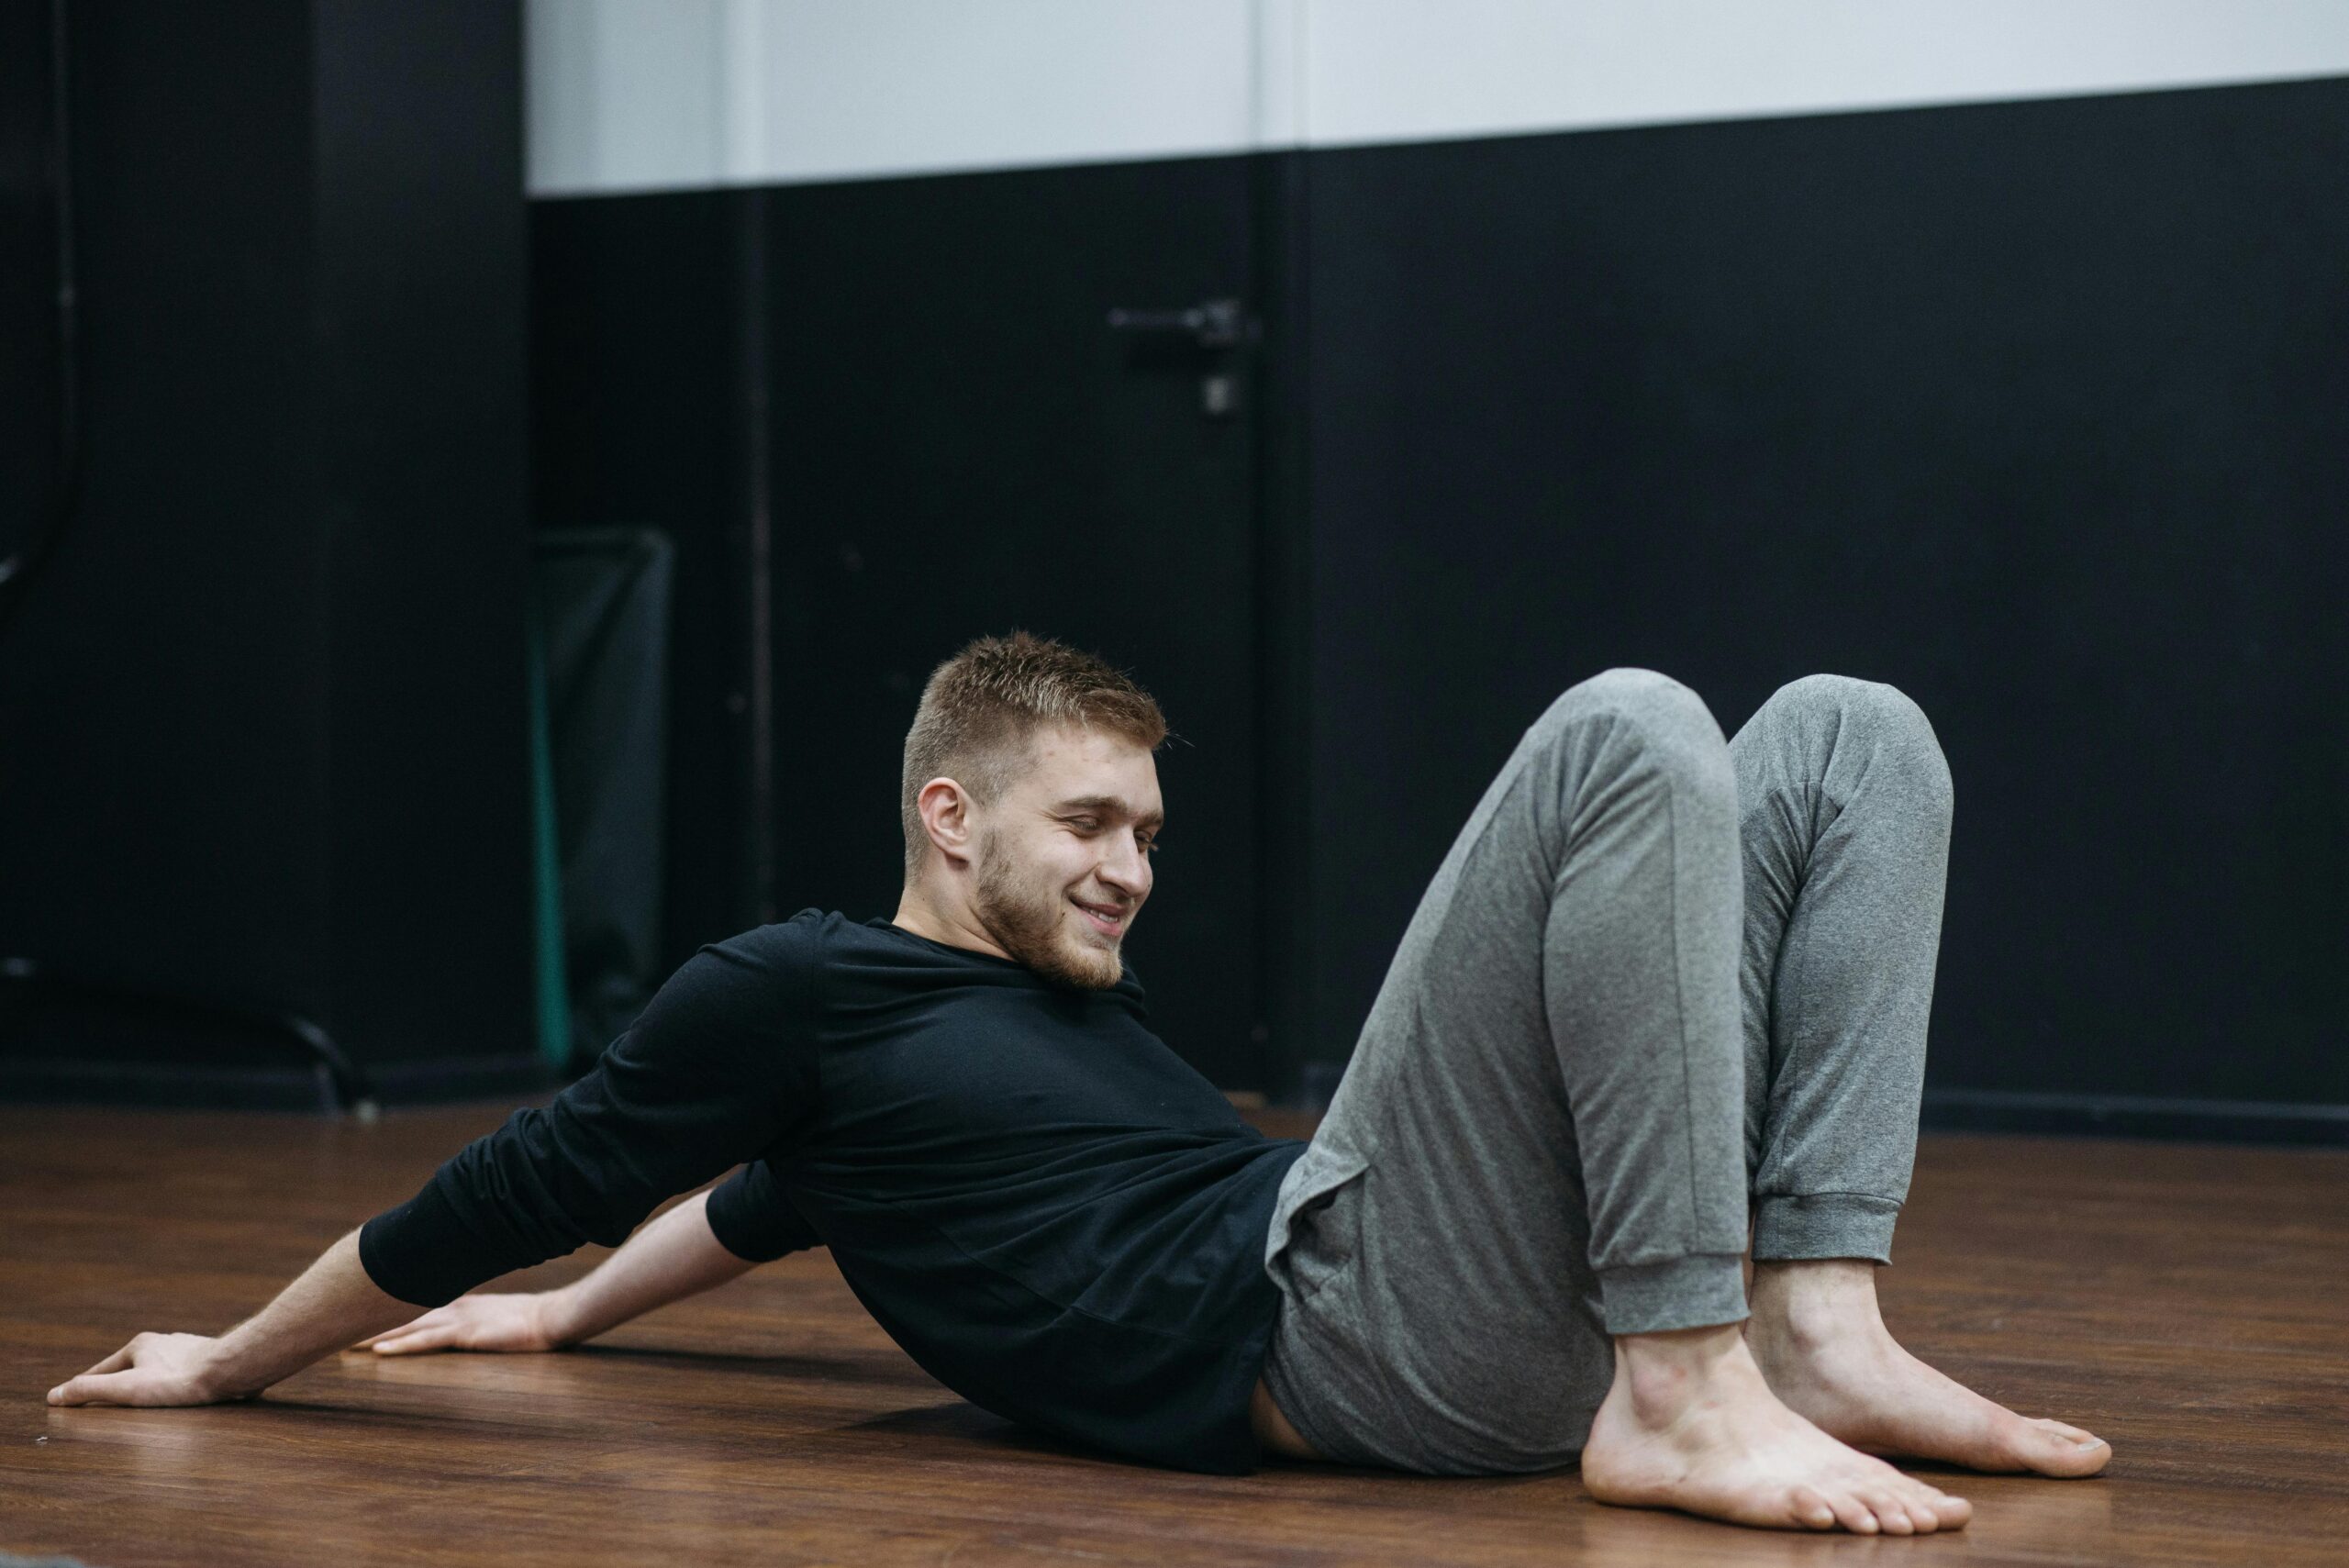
(1090, 962)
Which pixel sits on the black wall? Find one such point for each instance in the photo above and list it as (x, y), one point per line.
(262, 719)
(953, 442)
(2033, 410)
(639, 391)
(30, 395)
(2038, 411)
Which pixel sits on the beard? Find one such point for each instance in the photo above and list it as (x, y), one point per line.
(1029, 921)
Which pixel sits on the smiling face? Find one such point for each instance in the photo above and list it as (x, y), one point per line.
(1062, 858)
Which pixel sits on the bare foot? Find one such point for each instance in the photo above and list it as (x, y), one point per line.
(1820, 1342)
(1690, 1424)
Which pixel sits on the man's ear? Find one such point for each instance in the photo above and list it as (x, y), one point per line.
(946, 810)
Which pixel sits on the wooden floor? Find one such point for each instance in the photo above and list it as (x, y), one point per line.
(2190, 1303)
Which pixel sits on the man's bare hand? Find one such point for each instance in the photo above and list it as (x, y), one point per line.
(511, 1323)
(153, 1369)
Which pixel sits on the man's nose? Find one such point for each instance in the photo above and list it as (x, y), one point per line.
(1128, 868)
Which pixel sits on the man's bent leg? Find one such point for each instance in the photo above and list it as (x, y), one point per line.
(1537, 1145)
(1537, 1141)
(1844, 803)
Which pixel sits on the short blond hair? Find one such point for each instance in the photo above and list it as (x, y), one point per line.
(980, 709)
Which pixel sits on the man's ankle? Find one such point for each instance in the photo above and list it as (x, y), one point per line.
(1661, 1374)
(1805, 1302)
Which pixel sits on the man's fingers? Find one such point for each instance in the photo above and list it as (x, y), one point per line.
(91, 1386)
(381, 1335)
(432, 1320)
(114, 1362)
(85, 1389)
(132, 1387)
(93, 1383)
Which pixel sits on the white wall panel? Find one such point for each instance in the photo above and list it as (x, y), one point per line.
(622, 95)
(1409, 70)
(632, 95)
(883, 86)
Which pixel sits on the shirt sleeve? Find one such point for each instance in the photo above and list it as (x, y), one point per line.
(753, 1219)
(719, 1069)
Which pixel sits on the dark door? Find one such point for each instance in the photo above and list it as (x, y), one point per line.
(960, 443)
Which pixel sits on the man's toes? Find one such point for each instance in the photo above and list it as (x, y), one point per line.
(1891, 1515)
(1923, 1493)
(1938, 1511)
(2054, 1448)
(1853, 1514)
(1915, 1505)
(1806, 1507)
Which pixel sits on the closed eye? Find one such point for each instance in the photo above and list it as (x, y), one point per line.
(1148, 841)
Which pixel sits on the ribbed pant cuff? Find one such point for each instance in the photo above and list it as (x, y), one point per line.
(1694, 1291)
(1824, 1224)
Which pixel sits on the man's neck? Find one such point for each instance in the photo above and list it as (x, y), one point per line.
(918, 914)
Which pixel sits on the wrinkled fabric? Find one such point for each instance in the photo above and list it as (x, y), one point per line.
(1661, 985)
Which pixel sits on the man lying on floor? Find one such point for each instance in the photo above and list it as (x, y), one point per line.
(1661, 988)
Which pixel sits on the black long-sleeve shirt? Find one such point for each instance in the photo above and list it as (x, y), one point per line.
(1045, 1206)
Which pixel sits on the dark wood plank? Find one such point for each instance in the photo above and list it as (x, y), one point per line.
(2186, 1301)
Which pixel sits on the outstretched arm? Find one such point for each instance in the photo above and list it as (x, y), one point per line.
(332, 1303)
(715, 1071)
(674, 1256)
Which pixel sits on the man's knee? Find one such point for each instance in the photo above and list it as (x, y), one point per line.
(1653, 714)
(1882, 718)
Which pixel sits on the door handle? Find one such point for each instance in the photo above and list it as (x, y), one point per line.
(1211, 323)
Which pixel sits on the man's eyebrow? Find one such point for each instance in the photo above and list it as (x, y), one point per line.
(1112, 805)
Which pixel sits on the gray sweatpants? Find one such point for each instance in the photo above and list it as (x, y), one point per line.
(1660, 988)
